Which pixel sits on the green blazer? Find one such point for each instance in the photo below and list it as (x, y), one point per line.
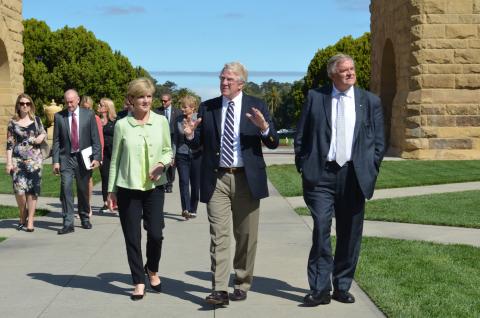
(136, 149)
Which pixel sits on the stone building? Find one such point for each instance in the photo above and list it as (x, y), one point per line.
(11, 62)
(426, 68)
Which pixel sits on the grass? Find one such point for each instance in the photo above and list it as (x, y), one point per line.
(2, 239)
(10, 212)
(420, 279)
(50, 182)
(450, 209)
(393, 174)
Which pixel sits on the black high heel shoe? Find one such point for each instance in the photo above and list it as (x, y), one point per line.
(139, 296)
(20, 226)
(29, 230)
(157, 288)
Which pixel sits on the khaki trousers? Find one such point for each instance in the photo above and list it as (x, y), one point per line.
(232, 200)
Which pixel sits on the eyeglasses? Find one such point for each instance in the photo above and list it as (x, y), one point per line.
(229, 80)
(164, 101)
(25, 103)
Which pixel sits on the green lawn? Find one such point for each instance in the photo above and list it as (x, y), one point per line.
(10, 212)
(420, 279)
(393, 174)
(50, 182)
(452, 209)
(2, 239)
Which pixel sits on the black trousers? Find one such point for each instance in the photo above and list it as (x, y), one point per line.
(189, 180)
(170, 173)
(338, 193)
(105, 173)
(133, 206)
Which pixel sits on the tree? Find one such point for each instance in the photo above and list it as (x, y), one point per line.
(73, 58)
(316, 76)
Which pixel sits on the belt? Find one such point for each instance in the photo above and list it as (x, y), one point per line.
(231, 170)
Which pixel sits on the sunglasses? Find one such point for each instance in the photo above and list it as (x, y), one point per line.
(25, 104)
(164, 101)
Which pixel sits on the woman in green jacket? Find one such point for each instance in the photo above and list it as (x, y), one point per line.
(141, 152)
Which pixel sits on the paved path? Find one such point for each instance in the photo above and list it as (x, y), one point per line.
(86, 273)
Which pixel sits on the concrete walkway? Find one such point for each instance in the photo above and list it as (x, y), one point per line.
(85, 274)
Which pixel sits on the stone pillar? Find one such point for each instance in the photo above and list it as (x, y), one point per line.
(11, 62)
(435, 113)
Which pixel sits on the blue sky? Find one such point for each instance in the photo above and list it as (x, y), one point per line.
(194, 35)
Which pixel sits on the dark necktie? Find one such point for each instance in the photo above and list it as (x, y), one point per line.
(341, 152)
(227, 138)
(74, 131)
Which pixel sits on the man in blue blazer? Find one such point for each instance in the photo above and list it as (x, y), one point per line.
(338, 150)
(75, 129)
(231, 129)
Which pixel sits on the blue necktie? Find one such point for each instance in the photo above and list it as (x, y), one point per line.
(227, 138)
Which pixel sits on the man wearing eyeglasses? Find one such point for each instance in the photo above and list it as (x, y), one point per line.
(171, 113)
(231, 129)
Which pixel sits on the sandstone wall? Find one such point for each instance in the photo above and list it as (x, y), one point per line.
(11, 62)
(436, 111)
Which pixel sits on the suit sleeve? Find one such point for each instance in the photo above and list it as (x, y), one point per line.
(379, 131)
(56, 139)
(95, 138)
(302, 135)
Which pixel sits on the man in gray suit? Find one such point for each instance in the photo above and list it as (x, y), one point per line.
(75, 130)
(338, 150)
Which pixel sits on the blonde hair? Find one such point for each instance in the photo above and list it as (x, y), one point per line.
(140, 86)
(31, 111)
(238, 68)
(190, 101)
(107, 102)
(86, 100)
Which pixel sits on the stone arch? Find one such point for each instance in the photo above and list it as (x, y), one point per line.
(4, 71)
(388, 87)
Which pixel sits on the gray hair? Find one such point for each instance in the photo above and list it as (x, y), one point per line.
(238, 68)
(334, 60)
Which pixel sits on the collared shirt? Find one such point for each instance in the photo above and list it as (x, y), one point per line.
(77, 114)
(168, 112)
(136, 149)
(237, 149)
(350, 116)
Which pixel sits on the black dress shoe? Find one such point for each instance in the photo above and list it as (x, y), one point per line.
(317, 298)
(238, 294)
(343, 297)
(87, 225)
(168, 190)
(218, 298)
(157, 288)
(66, 230)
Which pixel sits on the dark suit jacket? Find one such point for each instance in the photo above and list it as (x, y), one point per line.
(314, 130)
(88, 136)
(174, 113)
(208, 135)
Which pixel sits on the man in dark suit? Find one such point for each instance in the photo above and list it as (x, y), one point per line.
(338, 150)
(231, 129)
(171, 113)
(75, 129)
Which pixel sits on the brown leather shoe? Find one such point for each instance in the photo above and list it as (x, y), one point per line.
(238, 294)
(218, 298)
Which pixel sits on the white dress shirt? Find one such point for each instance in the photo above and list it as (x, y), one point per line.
(350, 117)
(237, 150)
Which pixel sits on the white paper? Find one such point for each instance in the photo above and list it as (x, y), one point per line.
(86, 155)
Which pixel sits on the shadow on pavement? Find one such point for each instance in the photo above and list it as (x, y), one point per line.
(263, 285)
